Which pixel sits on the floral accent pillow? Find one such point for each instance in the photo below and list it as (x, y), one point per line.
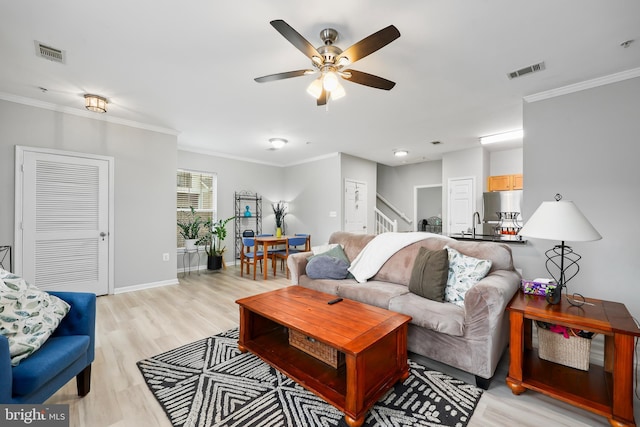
(464, 272)
(28, 316)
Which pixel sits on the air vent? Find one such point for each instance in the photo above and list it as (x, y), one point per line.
(527, 70)
(50, 53)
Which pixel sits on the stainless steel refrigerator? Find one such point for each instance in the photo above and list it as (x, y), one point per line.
(502, 212)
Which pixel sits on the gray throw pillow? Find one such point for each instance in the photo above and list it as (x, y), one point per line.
(429, 274)
(327, 267)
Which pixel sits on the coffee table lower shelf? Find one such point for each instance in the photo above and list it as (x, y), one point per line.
(329, 383)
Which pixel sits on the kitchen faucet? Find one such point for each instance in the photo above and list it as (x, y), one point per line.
(473, 222)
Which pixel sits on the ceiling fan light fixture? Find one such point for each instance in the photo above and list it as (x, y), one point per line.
(277, 143)
(95, 103)
(315, 88)
(338, 92)
(330, 81)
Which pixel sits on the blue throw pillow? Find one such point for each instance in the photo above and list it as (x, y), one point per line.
(327, 267)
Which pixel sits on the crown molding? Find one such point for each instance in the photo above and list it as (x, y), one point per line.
(588, 84)
(85, 113)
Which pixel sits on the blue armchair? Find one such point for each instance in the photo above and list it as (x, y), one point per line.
(68, 353)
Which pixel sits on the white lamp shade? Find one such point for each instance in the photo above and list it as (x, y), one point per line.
(315, 88)
(561, 220)
(338, 92)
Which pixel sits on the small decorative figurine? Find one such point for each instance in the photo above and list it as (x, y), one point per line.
(247, 212)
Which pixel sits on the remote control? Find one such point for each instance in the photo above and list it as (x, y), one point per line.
(333, 301)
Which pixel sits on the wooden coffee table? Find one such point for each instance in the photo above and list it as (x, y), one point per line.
(373, 341)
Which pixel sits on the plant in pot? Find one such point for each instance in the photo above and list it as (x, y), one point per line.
(279, 212)
(212, 242)
(190, 229)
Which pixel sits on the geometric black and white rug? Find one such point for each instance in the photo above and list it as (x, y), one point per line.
(210, 383)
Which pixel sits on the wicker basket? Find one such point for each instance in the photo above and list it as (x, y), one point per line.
(573, 351)
(317, 349)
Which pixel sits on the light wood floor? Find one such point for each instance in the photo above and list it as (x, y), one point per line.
(137, 325)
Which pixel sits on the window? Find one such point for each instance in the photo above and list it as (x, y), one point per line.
(197, 189)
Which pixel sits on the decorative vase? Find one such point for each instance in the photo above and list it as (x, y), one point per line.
(247, 212)
(190, 244)
(278, 232)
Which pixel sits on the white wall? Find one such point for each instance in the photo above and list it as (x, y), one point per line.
(396, 184)
(144, 186)
(585, 146)
(506, 162)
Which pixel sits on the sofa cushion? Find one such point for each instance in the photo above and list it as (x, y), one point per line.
(464, 272)
(429, 274)
(445, 318)
(327, 267)
(54, 356)
(322, 285)
(28, 315)
(372, 292)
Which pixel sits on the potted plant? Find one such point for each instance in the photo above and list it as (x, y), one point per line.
(190, 229)
(279, 212)
(212, 242)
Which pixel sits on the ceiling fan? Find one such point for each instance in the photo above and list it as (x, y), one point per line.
(332, 62)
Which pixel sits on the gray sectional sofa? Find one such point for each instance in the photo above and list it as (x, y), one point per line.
(471, 338)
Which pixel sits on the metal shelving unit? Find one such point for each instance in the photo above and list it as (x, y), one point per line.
(242, 199)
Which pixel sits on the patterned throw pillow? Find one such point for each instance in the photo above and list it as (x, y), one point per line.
(464, 272)
(28, 316)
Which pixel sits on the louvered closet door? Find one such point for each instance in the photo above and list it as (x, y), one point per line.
(65, 222)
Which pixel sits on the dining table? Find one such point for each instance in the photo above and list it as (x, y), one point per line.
(267, 241)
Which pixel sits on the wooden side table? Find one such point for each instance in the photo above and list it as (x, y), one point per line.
(605, 390)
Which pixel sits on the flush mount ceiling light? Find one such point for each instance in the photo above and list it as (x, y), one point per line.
(501, 137)
(400, 153)
(95, 103)
(277, 143)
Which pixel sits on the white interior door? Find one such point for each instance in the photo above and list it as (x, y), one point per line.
(62, 229)
(355, 206)
(461, 204)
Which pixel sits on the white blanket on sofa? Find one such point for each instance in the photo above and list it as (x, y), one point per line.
(373, 256)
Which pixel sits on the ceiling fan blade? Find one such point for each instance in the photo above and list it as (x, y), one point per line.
(368, 79)
(323, 98)
(280, 76)
(370, 44)
(296, 39)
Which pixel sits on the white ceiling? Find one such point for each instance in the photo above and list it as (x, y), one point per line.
(189, 66)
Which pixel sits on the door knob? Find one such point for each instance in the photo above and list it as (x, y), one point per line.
(103, 235)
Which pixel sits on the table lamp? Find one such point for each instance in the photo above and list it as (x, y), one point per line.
(560, 220)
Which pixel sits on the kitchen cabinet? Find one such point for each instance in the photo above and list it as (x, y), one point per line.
(504, 182)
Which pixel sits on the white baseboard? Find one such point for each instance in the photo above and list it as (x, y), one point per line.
(140, 287)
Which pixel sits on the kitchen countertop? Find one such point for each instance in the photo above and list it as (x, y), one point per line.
(503, 238)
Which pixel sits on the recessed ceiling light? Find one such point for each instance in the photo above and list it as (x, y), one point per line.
(277, 143)
(400, 153)
(501, 137)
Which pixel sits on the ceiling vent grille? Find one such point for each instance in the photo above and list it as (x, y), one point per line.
(527, 70)
(50, 53)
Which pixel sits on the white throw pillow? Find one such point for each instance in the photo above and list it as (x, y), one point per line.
(464, 272)
(28, 316)
(317, 250)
